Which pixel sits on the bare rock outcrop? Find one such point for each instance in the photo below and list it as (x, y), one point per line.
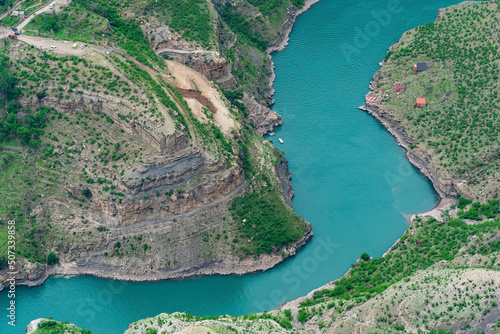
(213, 69)
(263, 118)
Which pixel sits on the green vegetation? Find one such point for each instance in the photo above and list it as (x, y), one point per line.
(52, 259)
(8, 89)
(266, 222)
(92, 22)
(192, 18)
(421, 246)
(460, 126)
(243, 27)
(424, 244)
(365, 257)
(4, 4)
(274, 322)
(56, 327)
(11, 21)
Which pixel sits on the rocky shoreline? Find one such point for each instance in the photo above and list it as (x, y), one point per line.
(228, 265)
(418, 158)
(282, 41)
(445, 187)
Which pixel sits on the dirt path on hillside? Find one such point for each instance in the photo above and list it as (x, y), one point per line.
(45, 9)
(62, 48)
(187, 78)
(223, 199)
(190, 83)
(187, 52)
(192, 94)
(187, 93)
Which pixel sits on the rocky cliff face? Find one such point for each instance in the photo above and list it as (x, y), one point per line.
(213, 68)
(136, 194)
(149, 208)
(262, 118)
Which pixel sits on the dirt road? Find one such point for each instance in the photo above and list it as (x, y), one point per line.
(46, 9)
(187, 52)
(62, 48)
(4, 32)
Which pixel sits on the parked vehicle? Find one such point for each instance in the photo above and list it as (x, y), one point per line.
(53, 48)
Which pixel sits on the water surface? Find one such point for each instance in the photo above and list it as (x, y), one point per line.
(351, 180)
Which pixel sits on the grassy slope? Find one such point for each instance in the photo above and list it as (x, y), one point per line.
(460, 126)
(212, 26)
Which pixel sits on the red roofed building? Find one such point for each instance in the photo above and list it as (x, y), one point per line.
(421, 103)
(400, 89)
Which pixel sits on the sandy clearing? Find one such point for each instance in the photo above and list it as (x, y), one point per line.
(443, 205)
(187, 78)
(196, 109)
(62, 48)
(4, 32)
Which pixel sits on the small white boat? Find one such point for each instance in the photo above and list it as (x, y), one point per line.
(281, 140)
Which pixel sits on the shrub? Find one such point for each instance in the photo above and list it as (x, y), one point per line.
(52, 259)
(365, 257)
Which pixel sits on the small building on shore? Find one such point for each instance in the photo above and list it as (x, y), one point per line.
(421, 103)
(400, 89)
(420, 67)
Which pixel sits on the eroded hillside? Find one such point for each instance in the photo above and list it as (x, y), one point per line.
(126, 170)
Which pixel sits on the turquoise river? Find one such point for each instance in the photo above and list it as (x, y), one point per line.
(351, 180)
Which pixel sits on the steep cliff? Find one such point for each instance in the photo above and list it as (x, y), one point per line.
(134, 171)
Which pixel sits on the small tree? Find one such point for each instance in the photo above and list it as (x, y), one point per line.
(87, 193)
(52, 259)
(365, 257)
(41, 95)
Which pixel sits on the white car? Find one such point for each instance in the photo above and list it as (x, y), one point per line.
(75, 46)
(43, 47)
(53, 48)
(82, 46)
